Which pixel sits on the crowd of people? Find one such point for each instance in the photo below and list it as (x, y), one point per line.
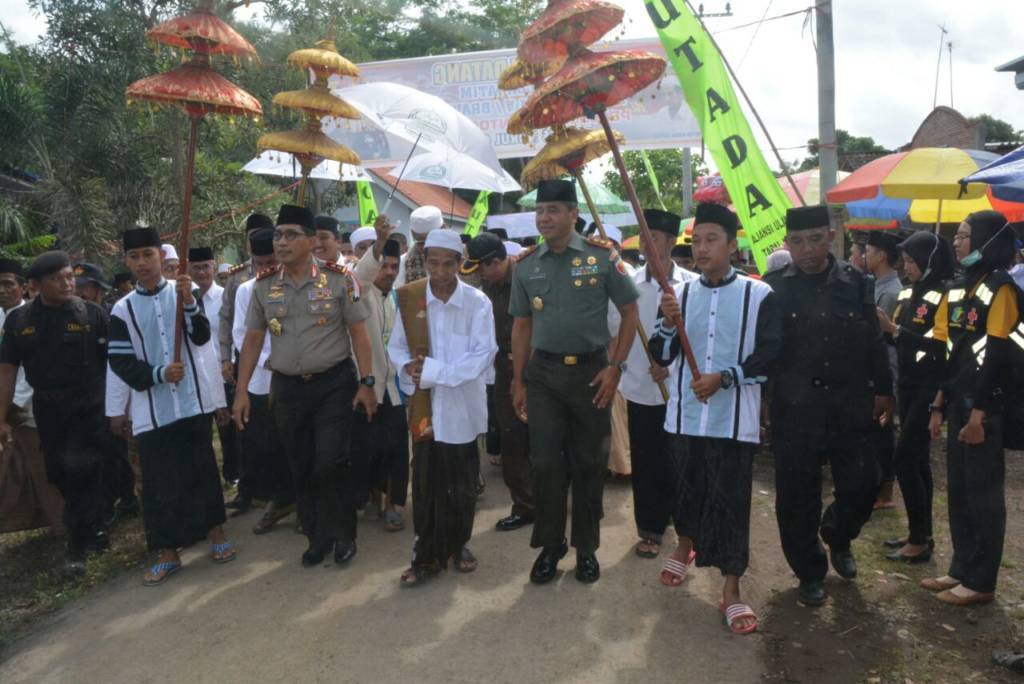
(344, 371)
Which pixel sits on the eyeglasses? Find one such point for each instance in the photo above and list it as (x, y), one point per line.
(287, 235)
(961, 236)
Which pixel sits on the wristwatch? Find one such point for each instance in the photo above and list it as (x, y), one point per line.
(621, 365)
(728, 379)
(368, 380)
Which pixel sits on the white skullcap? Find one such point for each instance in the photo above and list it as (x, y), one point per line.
(445, 239)
(223, 268)
(168, 251)
(362, 234)
(612, 232)
(513, 248)
(425, 219)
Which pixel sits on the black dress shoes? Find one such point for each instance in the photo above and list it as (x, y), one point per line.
(313, 556)
(587, 569)
(99, 543)
(546, 565)
(812, 593)
(344, 552)
(843, 563)
(900, 543)
(922, 557)
(513, 522)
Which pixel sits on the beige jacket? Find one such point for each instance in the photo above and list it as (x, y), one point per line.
(382, 310)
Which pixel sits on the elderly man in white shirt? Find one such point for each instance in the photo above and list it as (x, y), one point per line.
(460, 329)
(653, 476)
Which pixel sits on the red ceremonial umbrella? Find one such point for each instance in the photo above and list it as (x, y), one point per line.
(588, 84)
(565, 26)
(198, 90)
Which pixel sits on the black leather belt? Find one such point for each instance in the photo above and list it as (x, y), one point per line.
(572, 359)
(311, 377)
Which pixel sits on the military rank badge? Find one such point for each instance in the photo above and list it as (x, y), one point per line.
(275, 327)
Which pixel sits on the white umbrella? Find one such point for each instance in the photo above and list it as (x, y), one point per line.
(456, 170)
(273, 163)
(415, 117)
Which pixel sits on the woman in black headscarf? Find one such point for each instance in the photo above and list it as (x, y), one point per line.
(975, 320)
(927, 264)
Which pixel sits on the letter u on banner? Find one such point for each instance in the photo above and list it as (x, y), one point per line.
(367, 205)
(759, 199)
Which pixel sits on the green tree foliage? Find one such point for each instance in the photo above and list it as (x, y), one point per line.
(997, 130)
(103, 164)
(849, 146)
(668, 167)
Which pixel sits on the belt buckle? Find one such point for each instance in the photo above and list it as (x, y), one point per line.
(307, 377)
(570, 360)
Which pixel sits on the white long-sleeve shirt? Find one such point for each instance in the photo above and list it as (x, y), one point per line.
(212, 300)
(462, 348)
(259, 384)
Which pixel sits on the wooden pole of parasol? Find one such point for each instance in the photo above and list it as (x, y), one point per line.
(600, 228)
(652, 261)
(186, 211)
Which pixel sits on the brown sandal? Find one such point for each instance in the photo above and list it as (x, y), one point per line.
(963, 601)
(465, 561)
(417, 574)
(933, 584)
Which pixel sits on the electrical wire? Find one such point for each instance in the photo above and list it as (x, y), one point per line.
(754, 37)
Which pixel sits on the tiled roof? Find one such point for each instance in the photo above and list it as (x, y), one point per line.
(422, 194)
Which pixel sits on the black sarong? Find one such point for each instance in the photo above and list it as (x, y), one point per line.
(181, 495)
(444, 483)
(380, 453)
(713, 499)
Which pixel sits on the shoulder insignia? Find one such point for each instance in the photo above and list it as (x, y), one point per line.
(526, 252)
(238, 268)
(336, 268)
(598, 241)
(267, 272)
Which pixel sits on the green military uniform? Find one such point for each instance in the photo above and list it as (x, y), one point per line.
(236, 276)
(567, 294)
(313, 387)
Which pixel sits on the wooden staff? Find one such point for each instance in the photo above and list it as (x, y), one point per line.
(190, 165)
(600, 228)
(652, 261)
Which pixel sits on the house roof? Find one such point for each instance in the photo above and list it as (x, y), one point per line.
(423, 194)
(1016, 65)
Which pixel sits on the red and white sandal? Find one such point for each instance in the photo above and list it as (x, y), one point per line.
(673, 572)
(737, 612)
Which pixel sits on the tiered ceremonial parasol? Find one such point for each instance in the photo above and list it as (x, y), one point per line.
(309, 144)
(198, 90)
(587, 85)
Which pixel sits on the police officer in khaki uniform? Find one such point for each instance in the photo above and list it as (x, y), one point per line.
(312, 312)
(560, 294)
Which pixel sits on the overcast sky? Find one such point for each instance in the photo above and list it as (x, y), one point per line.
(886, 53)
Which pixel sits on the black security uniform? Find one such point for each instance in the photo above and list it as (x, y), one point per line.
(833, 363)
(64, 352)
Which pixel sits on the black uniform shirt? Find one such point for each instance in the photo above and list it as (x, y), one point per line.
(59, 347)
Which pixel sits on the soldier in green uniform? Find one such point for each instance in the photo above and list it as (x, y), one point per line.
(316, 320)
(560, 294)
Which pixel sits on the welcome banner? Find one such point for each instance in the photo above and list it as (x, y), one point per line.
(367, 205)
(756, 194)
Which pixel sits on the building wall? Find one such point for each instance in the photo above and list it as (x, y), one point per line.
(946, 127)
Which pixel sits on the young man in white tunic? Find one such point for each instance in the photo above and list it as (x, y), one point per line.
(714, 420)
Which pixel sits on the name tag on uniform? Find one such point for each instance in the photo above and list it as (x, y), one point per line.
(320, 294)
(538, 275)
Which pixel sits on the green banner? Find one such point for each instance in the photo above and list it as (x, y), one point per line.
(367, 205)
(653, 176)
(756, 194)
(478, 214)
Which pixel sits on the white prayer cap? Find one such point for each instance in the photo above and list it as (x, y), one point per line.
(445, 239)
(168, 251)
(513, 248)
(362, 234)
(425, 219)
(612, 232)
(223, 268)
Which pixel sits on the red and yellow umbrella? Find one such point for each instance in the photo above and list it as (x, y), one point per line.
(923, 185)
(565, 26)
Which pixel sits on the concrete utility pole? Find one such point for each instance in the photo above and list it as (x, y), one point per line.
(828, 153)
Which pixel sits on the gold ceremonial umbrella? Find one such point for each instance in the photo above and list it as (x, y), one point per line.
(309, 145)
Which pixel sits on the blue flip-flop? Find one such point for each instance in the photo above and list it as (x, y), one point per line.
(218, 549)
(166, 567)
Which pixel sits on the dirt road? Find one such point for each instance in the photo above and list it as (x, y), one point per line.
(265, 618)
